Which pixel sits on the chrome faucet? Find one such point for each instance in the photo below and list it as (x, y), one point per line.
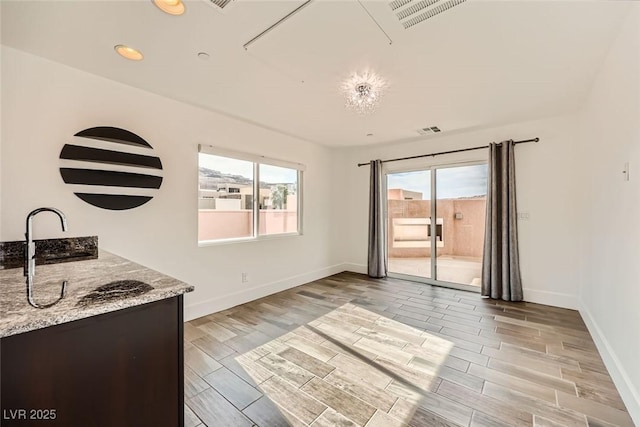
(30, 253)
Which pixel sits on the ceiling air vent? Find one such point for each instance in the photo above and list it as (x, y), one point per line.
(412, 12)
(219, 4)
(396, 4)
(429, 130)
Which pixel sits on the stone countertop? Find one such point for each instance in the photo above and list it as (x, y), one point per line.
(83, 277)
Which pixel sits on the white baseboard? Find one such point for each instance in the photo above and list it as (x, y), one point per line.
(355, 268)
(629, 393)
(555, 299)
(213, 305)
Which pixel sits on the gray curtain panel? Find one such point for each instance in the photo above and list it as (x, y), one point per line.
(377, 258)
(500, 264)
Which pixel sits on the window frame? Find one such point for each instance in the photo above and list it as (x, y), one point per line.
(257, 160)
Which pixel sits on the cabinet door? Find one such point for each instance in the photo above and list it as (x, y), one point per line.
(123, 368)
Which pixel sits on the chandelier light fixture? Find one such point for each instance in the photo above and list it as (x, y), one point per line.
(363, 92)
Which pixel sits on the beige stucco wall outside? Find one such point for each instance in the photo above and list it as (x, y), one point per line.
(462, 237)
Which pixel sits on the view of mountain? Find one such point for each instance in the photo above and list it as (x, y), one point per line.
(219, 177)
(209, 179)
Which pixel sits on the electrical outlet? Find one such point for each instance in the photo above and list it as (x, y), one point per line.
(245, 278)
(523, 216)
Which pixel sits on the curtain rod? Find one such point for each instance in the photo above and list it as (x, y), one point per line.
(448, 152)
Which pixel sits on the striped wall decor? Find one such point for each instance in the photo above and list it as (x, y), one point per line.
(111, 168)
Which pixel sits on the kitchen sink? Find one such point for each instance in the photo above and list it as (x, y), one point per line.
(117, 290)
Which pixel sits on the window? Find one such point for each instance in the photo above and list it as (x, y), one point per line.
(278, 200)
(243, 196)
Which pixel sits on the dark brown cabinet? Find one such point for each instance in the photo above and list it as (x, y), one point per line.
(123, 368)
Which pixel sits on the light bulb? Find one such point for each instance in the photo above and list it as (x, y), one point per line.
(128, 52)
(172, 7)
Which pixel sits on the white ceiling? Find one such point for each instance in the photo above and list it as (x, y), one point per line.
(481, 63)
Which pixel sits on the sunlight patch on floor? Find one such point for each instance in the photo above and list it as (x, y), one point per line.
(349, 367)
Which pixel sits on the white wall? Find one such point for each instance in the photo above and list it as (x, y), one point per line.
(610, 213)
(45, 103)
(546, 188)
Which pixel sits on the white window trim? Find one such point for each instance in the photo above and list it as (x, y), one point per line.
(257, 160)
(235, 240)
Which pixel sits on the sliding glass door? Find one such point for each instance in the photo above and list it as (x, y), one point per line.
(409, 223)
(435, 224)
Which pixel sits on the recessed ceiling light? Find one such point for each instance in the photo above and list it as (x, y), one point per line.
(369, 134)
(172, 7)
(128, 52)
(203, 55)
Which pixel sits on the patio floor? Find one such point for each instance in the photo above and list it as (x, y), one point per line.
(464, 270)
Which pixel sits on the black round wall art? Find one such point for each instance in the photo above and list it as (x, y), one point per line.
(107, 171)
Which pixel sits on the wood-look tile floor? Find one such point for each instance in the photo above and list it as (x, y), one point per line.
(352, 351)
